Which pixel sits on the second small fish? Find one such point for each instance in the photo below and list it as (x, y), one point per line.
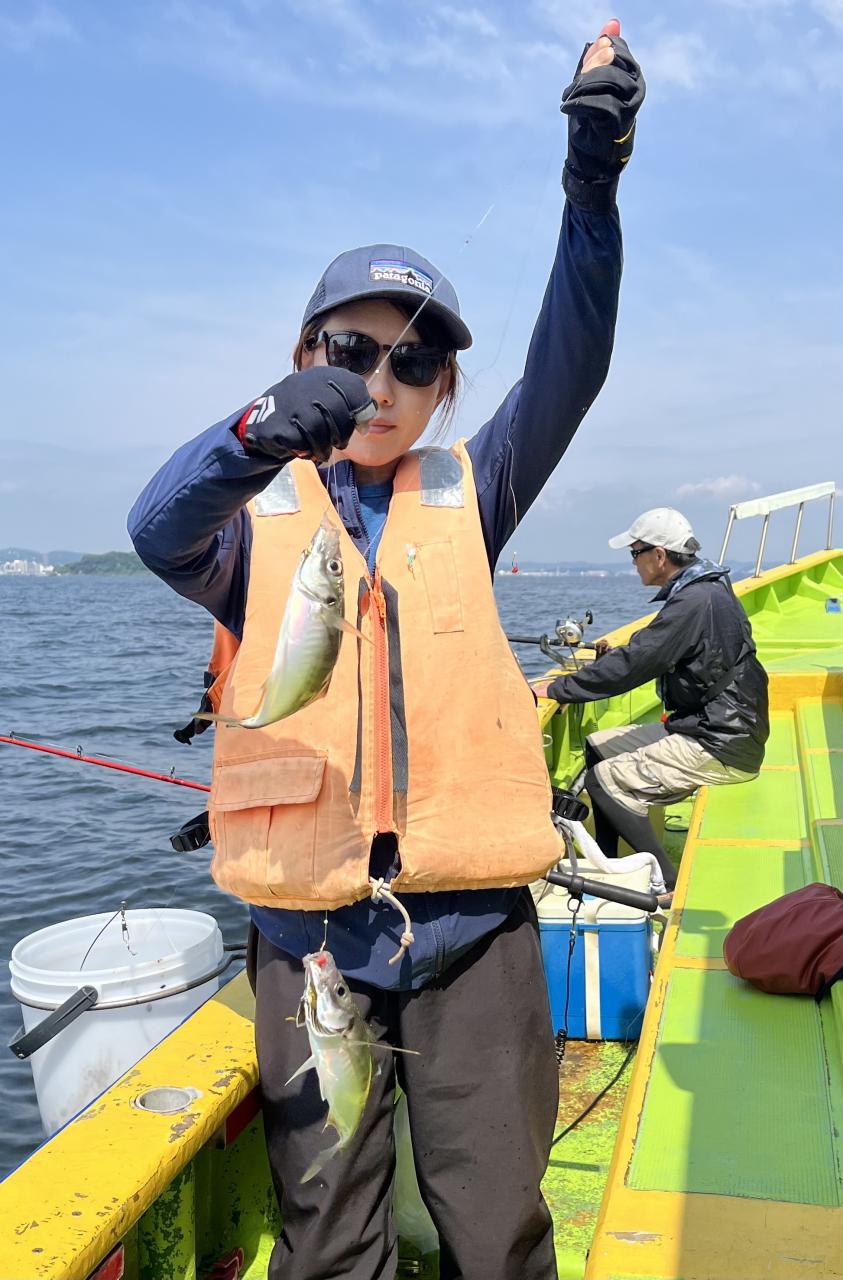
(341, 1046)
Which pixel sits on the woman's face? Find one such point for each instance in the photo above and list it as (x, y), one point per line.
(403, 411)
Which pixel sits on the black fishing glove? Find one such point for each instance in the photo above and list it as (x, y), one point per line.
(601, 106)
(307, 415)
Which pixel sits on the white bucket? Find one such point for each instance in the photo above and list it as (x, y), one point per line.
(141, 996)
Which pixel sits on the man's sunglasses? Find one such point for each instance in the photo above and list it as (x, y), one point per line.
(412, 363)
(635, 552)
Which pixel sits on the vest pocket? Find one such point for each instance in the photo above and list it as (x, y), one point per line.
(264, 816)
(442, 584)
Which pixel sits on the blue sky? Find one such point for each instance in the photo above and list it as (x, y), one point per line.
(179, 172)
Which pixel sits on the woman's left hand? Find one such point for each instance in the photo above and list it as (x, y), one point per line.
(601, 104)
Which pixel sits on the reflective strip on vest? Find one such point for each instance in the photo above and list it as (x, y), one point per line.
(441, 478)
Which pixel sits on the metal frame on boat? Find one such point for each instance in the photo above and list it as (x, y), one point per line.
(778, 502)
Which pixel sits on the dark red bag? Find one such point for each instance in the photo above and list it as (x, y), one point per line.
(793, 945)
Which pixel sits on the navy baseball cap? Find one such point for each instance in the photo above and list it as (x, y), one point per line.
(393, 272)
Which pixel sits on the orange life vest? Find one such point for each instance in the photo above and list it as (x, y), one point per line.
(429, 732)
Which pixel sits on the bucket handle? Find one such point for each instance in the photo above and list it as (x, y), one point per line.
(24, 1043)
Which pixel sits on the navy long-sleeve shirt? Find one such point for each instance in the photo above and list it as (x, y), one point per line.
(189, 526)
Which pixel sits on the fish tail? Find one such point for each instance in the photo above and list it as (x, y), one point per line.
(317, 1165)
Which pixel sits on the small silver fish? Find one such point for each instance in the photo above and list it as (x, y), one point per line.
(309, 640)
(341, 1045)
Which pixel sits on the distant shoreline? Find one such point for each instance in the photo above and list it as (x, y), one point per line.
(112, 563)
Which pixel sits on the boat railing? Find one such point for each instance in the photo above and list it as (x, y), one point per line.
(776, 502)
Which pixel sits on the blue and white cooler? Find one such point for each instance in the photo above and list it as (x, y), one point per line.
(611, 963)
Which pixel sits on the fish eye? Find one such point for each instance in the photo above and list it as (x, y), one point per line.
(334, 566)
(341, 991)
(330, 600)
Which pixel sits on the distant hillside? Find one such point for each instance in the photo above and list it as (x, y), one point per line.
(109, 562)
(39, 557)
(62, 557)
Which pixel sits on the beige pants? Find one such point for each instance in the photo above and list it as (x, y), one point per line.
(643, 764)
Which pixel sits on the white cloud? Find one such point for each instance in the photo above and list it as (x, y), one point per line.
(723, 489)
(756, 6)
(583, 18)
(679, 60)
(831, 10)
(43, 23)
(440, 52)
(454, 66)
(471, 19)
(670, 58)
(201, 38)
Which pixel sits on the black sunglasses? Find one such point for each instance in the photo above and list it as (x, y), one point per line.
(412, 363)
(635, 552)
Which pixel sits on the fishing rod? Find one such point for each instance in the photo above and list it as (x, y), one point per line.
(13, 741)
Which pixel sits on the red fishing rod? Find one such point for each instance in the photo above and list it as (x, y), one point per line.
(12, 741)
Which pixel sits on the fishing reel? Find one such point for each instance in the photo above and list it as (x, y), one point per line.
(567, 637)
(570, 632)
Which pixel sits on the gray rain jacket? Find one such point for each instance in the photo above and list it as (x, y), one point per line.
(699, 650)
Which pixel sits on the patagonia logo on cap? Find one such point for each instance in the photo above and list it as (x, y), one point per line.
(400, 273)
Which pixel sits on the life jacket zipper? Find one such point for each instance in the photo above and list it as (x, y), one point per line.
(376, 604)
(383, 762)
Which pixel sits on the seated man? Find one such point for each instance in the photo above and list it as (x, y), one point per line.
(699, 649)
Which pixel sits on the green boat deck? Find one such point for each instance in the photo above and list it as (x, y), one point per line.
(729, 1159)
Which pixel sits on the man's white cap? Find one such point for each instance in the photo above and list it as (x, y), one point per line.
(661, 527)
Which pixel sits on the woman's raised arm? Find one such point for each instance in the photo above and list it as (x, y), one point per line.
(568, 359)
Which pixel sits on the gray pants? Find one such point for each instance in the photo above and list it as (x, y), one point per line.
(643, 764)
(482, 1099)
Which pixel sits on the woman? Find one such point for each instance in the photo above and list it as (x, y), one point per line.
(422, 766)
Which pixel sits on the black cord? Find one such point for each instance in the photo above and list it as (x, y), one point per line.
(594, 1101)
(562, 1036)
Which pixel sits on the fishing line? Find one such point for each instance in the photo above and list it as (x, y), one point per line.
(519, 276)
(428, 298)
(124, 932)
(332, 476)
(160, 923)
(375, 534)
(466, 242)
